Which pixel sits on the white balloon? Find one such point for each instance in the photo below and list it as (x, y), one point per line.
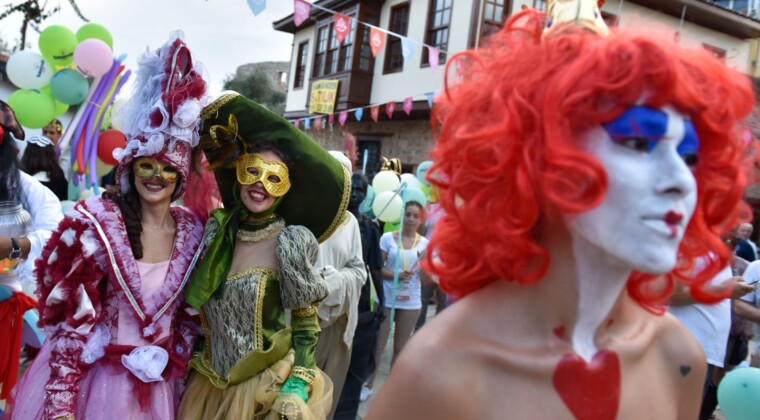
(117, 114)
(28, 70)
(411, 181)
(385, 181)
(387, 206)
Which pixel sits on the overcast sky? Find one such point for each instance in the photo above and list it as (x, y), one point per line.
(222, 34)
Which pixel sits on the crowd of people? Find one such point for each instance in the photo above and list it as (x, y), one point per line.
(231, 269)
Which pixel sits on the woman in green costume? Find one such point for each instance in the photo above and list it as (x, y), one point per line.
(282, 194)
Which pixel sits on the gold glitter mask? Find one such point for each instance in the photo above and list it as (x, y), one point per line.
(252, 168)
(146, 168)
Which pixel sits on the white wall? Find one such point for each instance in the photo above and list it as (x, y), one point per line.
(416, 80)
(297, 98)
(693, 36)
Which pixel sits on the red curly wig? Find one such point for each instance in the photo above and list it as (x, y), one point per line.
(507, 158)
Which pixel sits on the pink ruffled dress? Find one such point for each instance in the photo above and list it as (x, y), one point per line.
(119, 335)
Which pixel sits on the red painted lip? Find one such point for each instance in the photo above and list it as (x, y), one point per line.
(673, 218)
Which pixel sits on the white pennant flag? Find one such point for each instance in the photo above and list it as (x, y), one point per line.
(407, 48)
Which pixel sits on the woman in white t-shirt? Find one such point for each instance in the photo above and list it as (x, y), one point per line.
(406, 299)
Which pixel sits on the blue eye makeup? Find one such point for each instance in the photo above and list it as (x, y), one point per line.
(640, 128)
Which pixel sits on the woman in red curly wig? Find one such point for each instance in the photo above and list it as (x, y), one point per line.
(579, 187)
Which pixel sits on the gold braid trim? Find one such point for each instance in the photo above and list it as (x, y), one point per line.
(214, 107)
(259, 310)
(206, 355)
(343, 206)
(307, 375)
(304, 312)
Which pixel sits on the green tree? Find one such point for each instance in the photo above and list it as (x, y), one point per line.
(258, 87)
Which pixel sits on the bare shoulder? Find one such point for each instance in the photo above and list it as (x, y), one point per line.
(684, 359)
(677, 343)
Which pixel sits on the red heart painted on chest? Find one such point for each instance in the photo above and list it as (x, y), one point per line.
(590, 390)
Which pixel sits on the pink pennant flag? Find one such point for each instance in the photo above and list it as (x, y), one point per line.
(331, 119)
(433, 58)
(374, 111)
(342, 117)
(301, 11)
(297, 123)
(342, 26)
(376, 40)
(408, 104)
(390, 108)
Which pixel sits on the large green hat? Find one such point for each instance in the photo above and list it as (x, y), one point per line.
(320, 185)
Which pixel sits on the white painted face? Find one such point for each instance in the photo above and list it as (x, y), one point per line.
(651, 193)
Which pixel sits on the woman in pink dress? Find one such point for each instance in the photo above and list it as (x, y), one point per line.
(110, 280)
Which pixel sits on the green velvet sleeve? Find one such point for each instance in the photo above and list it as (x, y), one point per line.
(304, 339)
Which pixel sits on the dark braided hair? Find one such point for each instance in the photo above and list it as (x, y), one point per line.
(10, 184)
(129, 205)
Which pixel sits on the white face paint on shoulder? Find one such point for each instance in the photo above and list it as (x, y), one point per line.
(651, 192)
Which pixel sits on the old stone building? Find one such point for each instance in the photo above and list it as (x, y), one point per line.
(729, 29)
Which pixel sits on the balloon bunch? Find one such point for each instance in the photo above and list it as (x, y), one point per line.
(55, 79)
(389, 193)
(71, 69)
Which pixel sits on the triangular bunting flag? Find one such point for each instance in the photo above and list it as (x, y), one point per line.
(331, 121)
(407, 48)
(390, 108)
(359, 113)
(408, 104)
(301, 11)
(318, 123)
(433, 58)
(342, 26)
(297, 123)
(342, 117)
(374, 111)
(307, 124)
(376, 40)
(257, 6)
(429, 96)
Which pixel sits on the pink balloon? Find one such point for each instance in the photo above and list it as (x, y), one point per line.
(93, 57)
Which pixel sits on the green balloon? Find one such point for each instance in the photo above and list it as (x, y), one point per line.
(95, 31)
(34, 109)
(60, 108)
(57, 45)
(392, 226)
(738, 394)
(69, 87)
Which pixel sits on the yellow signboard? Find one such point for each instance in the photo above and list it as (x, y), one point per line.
(323, 95)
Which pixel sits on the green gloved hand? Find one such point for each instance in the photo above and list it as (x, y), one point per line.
(295, 386)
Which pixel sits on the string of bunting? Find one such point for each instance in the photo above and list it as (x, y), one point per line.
(390, 109)
(342, 27)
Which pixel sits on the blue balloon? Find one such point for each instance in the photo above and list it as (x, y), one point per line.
(738, 394)
(366, 205)
(422, 169)
(414, 194)
(69, 87)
